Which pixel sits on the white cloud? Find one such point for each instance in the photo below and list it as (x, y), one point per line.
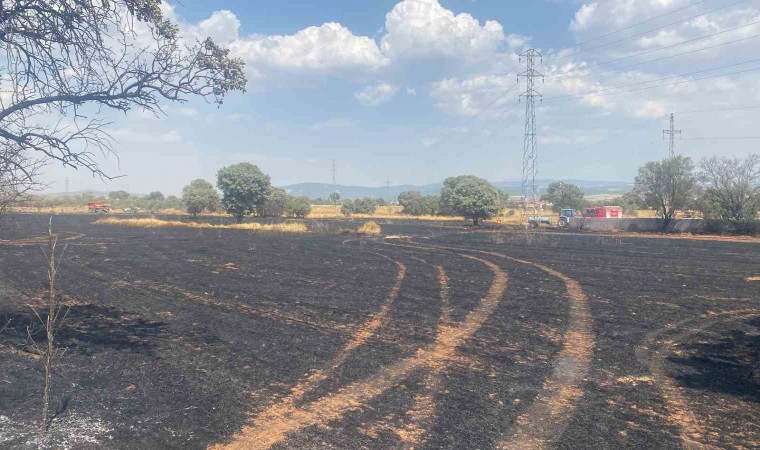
(189, 112)
(222, 26)
(170, 137)
(473, 96)
(333, 123)
(377, 94)
(328, 48)
(423, 28)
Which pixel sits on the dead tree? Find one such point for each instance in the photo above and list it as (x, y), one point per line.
(52, 322)
(66, 61)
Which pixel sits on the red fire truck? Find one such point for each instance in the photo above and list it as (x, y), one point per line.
(603, 212)
(97, 206)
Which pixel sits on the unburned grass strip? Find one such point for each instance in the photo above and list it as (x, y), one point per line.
(287, 227)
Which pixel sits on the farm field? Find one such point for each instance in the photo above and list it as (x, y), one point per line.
(432, 335)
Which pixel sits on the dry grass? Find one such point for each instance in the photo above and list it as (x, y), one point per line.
(370, 229)
(382, 212)
(289, 227)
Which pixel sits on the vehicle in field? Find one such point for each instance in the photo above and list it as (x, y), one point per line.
(535, 221)
(603, 212)
(97, 206)
(565, 215)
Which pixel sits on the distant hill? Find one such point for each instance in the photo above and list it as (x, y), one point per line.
(323, 190)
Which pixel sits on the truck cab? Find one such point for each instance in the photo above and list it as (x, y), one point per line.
(566, 215)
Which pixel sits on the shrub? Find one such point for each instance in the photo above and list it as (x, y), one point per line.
(299, 207)
(370, 229)
(359, 206)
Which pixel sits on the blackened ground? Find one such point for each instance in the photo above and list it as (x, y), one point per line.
(177, 338)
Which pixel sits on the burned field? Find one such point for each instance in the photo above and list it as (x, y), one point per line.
(438, 337)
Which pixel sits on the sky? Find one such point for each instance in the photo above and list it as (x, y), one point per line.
(415, 91)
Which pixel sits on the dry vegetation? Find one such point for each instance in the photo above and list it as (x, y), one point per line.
(370, 229)
(382, 212)
(289, 227)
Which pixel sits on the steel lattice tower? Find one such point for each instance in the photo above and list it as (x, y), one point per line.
(530, 153)
(672, 132)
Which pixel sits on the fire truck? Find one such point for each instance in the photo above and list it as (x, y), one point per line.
(603, 212)
(97, 206)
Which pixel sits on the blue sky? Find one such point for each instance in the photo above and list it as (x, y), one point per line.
(413, 91)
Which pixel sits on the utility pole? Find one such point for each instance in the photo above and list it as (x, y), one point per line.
(334, 182)
(388, 187)
(530, 154)
(672, 134)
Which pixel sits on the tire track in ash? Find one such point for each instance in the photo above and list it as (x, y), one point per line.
(41, 240)
(549, 415)
(359, 338)
(419, 418)
(274, 425)
(679, 414)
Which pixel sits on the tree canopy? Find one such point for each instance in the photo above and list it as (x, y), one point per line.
(471, 197)
(299, 207)
(564, 195)
(731, 187)
(416, 204)
(245, 189)
(200, 196)
(667, 186)
(276, 203)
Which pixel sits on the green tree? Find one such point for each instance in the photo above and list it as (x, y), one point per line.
(276, 203)
(731, 188)
(365, 205)
(335, 198)
(118, 195)
(413, 203)
(471, 197)
(245, 189)
(155, 196)
(631, 202)
(198, 196)
(667, 186)
(299, 207)
(564, 195)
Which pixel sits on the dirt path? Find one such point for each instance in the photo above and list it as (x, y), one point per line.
(274, 425)
(691, 429)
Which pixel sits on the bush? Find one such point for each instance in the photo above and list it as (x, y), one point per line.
(299, 207)
(745, 227)
(511, 212)
(370, 229)
(359, 206)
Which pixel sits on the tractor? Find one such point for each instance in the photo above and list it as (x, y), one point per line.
(565, 216)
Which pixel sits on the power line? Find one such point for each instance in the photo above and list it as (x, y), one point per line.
(720, 138)
(592, 95)
(652, 19)
(646, 32)
(718, 110)
(618, 69)
(670, 46)
(662, 79)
